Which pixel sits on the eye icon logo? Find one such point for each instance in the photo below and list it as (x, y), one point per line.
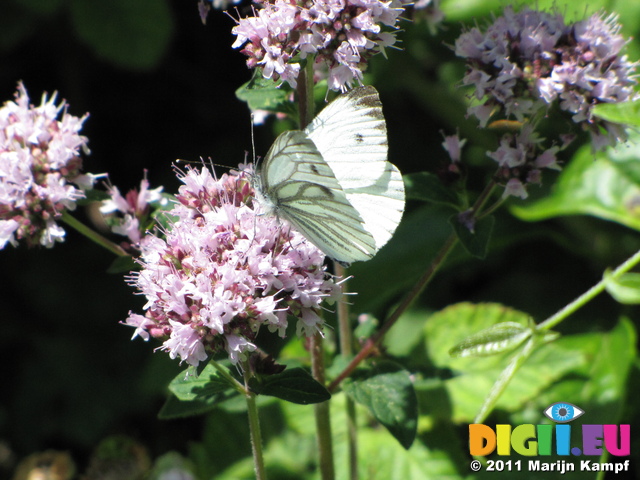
(563, 412)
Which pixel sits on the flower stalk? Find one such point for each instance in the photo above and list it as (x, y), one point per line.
(346, 349)
(254, 428)
(92, 235)
(322, 412)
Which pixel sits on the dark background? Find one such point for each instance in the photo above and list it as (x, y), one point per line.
(160, 86)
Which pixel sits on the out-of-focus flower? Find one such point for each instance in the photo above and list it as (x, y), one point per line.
(224, 271)
(527, 60)
(127, 215)
(453, 145)
(341, 35)
(428, 11)
(521, 159)
(205, 6)
(39, 163)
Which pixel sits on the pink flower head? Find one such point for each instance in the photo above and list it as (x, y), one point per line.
(521, 159)
(342, 34)
(125, 214)
(527, 60)
(39, 163)
(223, 270)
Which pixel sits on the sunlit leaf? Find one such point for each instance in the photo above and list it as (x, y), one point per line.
(195, 394)
(625, 289)
(603, 187)
(502, 337)
(264, 94)
(627, 113)
(473, 377)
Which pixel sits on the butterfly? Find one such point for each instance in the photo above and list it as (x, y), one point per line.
(332, 181)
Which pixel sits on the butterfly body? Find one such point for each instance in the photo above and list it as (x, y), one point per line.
(332, 181)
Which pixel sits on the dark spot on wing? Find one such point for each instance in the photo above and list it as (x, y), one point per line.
(359, 138)
(326, 190)
(314, 169)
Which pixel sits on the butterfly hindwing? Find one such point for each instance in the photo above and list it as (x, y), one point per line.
(351, 135)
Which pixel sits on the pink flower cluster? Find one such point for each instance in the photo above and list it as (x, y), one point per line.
(527, 60)
(223, 270)
(521, 159)
(127, 215)
(341, 35)
(39, 162)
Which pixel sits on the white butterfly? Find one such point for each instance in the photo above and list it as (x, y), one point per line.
(333, 182)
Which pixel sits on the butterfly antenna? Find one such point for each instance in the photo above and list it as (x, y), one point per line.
(253, 145)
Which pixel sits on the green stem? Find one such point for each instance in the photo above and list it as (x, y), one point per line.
(306, 103)
(322, 413)
(504, 379)
(346, 349)
(240, 388)
(93, 235)
(372, 342)
(483, 198)
(254, 428)
(589, 295)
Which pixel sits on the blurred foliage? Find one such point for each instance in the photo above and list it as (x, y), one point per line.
(159, 86)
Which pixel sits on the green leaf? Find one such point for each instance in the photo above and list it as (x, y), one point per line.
(367, 325)
(599, 386)
(378, 457)
(133, 35)
(476, 242)
(427, 187)
(627, 113)
(624, 289)
(122, 264)
(605, 186)
(196, 394)
(460, 10)
(93, 195)
(502, 337)
(174, 408)
(293, 385)
(263, 94)
(609, 372)
(207, 385)
(387, 391)
(473, 377)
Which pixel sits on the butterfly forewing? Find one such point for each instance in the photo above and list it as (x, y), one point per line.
(303, 189)
(351, 136)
